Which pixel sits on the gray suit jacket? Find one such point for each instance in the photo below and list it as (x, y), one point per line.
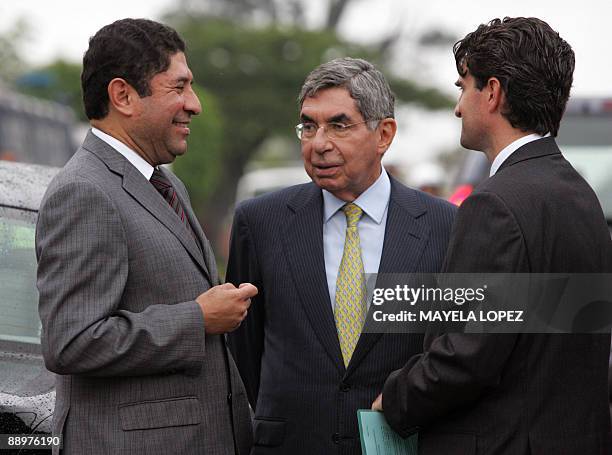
(118, 274)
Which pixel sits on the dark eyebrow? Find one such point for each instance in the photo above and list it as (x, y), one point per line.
(338, 118)
(334, 119)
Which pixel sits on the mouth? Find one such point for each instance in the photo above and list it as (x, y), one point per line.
(184, 126)
(325, 169)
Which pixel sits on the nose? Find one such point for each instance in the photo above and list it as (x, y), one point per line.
(320, 142)
(192, 102)
(457, 111)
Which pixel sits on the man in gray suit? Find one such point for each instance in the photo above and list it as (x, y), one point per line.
(306, 365)
(133, 316)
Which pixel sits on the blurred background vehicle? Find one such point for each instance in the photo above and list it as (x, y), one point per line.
(585, 139)
(27, 388)
(33, 130)
(261, 181)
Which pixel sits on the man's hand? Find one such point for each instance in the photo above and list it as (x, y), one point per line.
(377, 405)
(225, 306)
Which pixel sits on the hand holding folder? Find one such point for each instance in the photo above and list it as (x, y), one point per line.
(378, 438)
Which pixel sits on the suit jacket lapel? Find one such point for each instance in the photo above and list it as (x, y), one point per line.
(303, 243)
(146, 195)
(406, 234)
(202, 245)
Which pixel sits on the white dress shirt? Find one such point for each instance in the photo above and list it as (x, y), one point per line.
(510, 149)
(374, 202)
(137, 161)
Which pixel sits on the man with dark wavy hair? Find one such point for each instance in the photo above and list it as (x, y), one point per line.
(513, 393)
(133, 316)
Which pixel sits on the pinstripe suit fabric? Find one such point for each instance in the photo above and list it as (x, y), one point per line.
(287, 349)
(118, 275)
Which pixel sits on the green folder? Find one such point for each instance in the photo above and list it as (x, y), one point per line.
(377, 437)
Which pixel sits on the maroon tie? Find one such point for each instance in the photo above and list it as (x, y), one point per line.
(165, 188)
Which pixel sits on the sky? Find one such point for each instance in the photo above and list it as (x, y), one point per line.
(62, 28)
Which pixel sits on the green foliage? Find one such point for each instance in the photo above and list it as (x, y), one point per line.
(10, 40)
(60, 81)
(256, 74)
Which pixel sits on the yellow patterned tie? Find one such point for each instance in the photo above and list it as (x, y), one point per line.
(350, 309)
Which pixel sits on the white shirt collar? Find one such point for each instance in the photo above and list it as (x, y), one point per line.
(510, 149)
(137, 161)
(369, 201)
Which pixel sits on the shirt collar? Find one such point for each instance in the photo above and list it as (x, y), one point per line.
(510, 149)
(134, 158)
(369, 201)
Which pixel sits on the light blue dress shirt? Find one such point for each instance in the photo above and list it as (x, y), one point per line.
(375, 203)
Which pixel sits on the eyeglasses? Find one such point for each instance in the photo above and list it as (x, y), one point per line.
(333, 130)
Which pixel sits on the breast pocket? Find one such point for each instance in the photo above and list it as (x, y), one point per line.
(268, 432)
(173, 412)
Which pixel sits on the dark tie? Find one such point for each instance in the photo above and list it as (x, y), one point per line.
(165, 188)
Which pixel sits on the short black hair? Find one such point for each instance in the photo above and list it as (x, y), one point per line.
(534, 65)
(132, 49)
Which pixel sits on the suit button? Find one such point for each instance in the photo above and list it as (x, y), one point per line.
(336, 438)
(344, 387)
(229, 397)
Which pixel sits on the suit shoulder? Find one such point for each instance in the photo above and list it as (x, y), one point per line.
(437, 204)
(423, 201)
(275, 200)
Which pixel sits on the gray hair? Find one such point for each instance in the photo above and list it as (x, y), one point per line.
(366, 85)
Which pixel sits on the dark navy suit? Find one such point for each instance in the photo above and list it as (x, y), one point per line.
(287, 349)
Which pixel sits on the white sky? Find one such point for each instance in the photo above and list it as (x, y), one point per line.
(62, 28)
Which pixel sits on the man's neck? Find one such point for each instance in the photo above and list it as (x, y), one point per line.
(502, 140)
(114, 129)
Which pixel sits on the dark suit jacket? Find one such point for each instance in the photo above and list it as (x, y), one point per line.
(515, 393)
(118, 274)
(287, 349)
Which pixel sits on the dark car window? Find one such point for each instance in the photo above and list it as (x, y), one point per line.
(18, 294)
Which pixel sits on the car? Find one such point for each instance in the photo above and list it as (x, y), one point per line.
(27, 388)
(585, 139)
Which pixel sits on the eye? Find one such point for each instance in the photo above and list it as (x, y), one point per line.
(337, 127)
(309, 128)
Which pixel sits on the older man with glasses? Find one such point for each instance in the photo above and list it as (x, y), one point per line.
(305, 363)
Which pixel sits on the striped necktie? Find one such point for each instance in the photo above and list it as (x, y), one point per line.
(165, 188)
(350, 308)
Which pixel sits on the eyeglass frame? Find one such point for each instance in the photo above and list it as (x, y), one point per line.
(299, 128)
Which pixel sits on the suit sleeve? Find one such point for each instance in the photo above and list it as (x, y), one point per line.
(457, 368)
(246, 343)
(83, 266)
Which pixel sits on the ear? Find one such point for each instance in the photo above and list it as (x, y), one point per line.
(386, 132)
(495, 95)
(122, 96)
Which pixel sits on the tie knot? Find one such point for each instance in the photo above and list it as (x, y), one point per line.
(159, 181)
(353, 214)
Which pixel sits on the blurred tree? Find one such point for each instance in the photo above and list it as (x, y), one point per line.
(10, 53)
(59, 81)
(255, 73)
